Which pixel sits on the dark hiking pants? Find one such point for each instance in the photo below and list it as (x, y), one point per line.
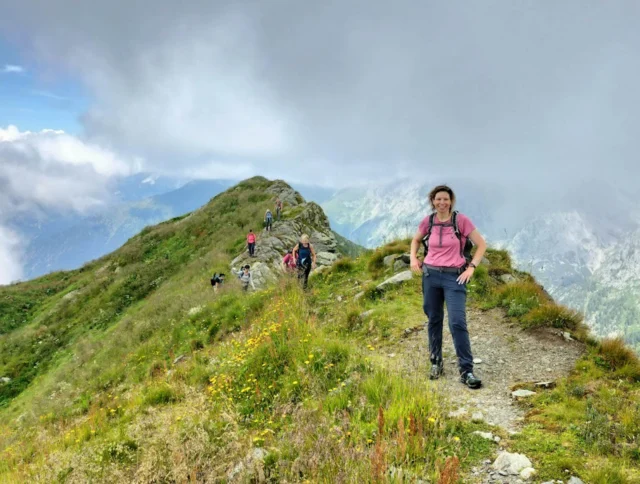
(438, 288)
(252, 248)
(303, 274)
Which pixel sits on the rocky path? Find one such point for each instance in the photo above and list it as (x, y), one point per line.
(505, 355)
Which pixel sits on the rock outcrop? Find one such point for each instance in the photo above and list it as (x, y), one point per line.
(298, 217)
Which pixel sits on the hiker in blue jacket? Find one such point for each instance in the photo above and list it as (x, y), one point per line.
(305, 257)
(268, 220)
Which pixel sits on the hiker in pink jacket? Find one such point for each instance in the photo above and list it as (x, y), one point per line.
(251, 242)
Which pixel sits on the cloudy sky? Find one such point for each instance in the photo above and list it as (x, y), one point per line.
(537, 94)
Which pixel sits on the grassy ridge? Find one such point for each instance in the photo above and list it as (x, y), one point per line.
(155, 378)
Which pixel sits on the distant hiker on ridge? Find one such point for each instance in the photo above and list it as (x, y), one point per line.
(268, 220)
(305, 257)
(278, 208)
(245, 278)
(251, 242)
(446, 270)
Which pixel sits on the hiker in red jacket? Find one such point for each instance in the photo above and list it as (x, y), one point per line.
(251, 243)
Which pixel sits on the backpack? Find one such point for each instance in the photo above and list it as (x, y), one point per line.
(465, 249)
(269, 215)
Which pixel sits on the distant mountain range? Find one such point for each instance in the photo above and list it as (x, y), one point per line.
(585, 255)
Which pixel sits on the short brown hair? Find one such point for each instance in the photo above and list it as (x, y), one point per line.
(438, 189)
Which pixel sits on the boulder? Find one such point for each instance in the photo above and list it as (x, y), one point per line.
(5, 379)
(507, 278)
(527, 473)
(389, 260)
(510, 463)
(518, 394)
(400, 265)
(395, 280)
(271, 246)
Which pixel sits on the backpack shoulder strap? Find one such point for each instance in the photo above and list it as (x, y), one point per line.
(429, 228)
(456, 229)
(454, 222)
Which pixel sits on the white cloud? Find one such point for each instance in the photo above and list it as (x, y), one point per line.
(356, 87)
(10, 269)
(53, 171)
(13, 69)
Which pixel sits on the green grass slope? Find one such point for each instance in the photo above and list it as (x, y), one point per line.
(132, 369)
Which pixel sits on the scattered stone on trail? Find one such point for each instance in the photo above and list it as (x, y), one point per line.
(496, 439)
(195, 310)
(510, 463)
(527, 473)
(567, 336)
(507, 278)
(358, 296)
(477, 361)
(409, 331)
(484, 435)
(522, 393)
(546, 384)
(397, 279)
(458, 413)
(179, 359)
(477, 417)
(575, 480)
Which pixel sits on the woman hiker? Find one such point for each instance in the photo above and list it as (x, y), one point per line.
(251, 242)
(305, 257)
(246, 278)
(445, 274)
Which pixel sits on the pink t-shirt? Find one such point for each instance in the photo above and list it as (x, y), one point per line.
(444, 246)
(251, 238)
(289, 261)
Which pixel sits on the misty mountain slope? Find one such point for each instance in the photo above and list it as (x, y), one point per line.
(87, 238)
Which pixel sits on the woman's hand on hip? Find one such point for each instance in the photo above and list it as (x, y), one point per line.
(416, 265)
(465, 276)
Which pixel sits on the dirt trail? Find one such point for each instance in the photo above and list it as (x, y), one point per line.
(509, 355)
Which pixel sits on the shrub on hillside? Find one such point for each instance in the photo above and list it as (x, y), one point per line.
(160, 395)
(344, 264)
(499, 259)
(553, 315)
(620, 358)
(520, 298)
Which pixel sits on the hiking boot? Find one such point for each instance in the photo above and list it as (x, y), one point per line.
(470, 380)
(437, 370)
